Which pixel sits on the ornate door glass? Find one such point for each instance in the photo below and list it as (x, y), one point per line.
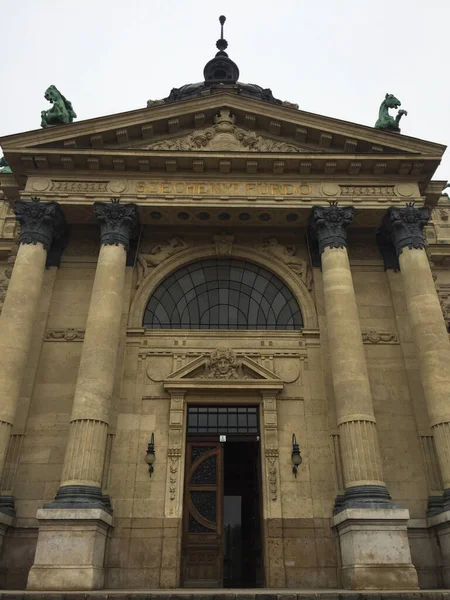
(202, 516)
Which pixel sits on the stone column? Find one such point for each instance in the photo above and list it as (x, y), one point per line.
(365, 516)
(41, 223)
(79, 504)
(363, 473)
(405, 228)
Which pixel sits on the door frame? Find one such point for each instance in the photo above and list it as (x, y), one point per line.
(261, 392)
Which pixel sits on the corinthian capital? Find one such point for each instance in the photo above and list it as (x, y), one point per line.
(119, 223)
(404, 226)
(329, 223)
(40, 222)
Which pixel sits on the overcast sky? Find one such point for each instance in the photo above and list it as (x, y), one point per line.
(332, 57)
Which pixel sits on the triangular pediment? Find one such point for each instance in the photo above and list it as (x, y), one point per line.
(148, 127)
(180, 136)
(223, 367)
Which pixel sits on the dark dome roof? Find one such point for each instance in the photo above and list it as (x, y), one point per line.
(220, 73)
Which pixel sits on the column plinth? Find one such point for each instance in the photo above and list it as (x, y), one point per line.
(41, 223)
(365, 516)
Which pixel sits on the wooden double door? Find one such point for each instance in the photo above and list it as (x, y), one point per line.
(220, 552)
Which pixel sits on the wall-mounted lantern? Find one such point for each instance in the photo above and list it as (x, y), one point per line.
(150, 456)
(296, 456)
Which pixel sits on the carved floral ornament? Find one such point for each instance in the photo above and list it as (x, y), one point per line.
(225, 135)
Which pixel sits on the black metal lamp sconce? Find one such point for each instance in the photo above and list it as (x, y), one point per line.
(150, 456)
(296, 456)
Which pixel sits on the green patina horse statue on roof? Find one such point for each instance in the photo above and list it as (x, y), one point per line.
(385, 121)
(60, 113)
(4, 167)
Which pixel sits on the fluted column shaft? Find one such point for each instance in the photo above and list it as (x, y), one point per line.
(40, 224)
(362, 466)
(86, 446)
(405, 227)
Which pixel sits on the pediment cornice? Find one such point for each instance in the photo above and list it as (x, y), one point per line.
(119, 130)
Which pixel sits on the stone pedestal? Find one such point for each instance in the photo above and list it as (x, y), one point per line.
(375, 549)
(70, 550)
(441, 524)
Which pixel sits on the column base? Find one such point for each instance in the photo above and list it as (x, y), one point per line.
(80, 496)
(7, 506)
(70, 550)
(375, 551)
(435, 505)
(364, 496)
(441, 524)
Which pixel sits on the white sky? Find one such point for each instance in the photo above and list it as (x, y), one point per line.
(332, 57)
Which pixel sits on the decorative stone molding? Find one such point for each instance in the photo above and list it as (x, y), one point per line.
(224, 244)
(64, 335)
(40, 222)
(225, 135)
(286, 255)
(379, 337)
(80, 187)
(405, 226)
(119, 222)
(329, 224)
(443, 291)
(154, 254)
(272, 457)
(375, 190)
(223, 364)
(175, 466)
(174, 456)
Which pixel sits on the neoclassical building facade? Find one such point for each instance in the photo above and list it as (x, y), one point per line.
(224, 356)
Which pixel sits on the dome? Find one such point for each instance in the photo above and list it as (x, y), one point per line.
(220, 73)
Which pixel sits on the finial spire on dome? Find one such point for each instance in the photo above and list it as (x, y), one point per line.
(221, 69)
(222, 44)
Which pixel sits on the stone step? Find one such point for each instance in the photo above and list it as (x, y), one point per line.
(235, 594)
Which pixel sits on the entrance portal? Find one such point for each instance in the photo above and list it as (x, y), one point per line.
(221, 513)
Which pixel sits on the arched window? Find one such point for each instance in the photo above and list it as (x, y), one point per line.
(222, 294)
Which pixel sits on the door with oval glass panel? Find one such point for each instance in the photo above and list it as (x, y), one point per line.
(203, 515)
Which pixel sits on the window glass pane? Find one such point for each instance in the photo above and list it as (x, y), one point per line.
(222, 294)
(222, 419)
